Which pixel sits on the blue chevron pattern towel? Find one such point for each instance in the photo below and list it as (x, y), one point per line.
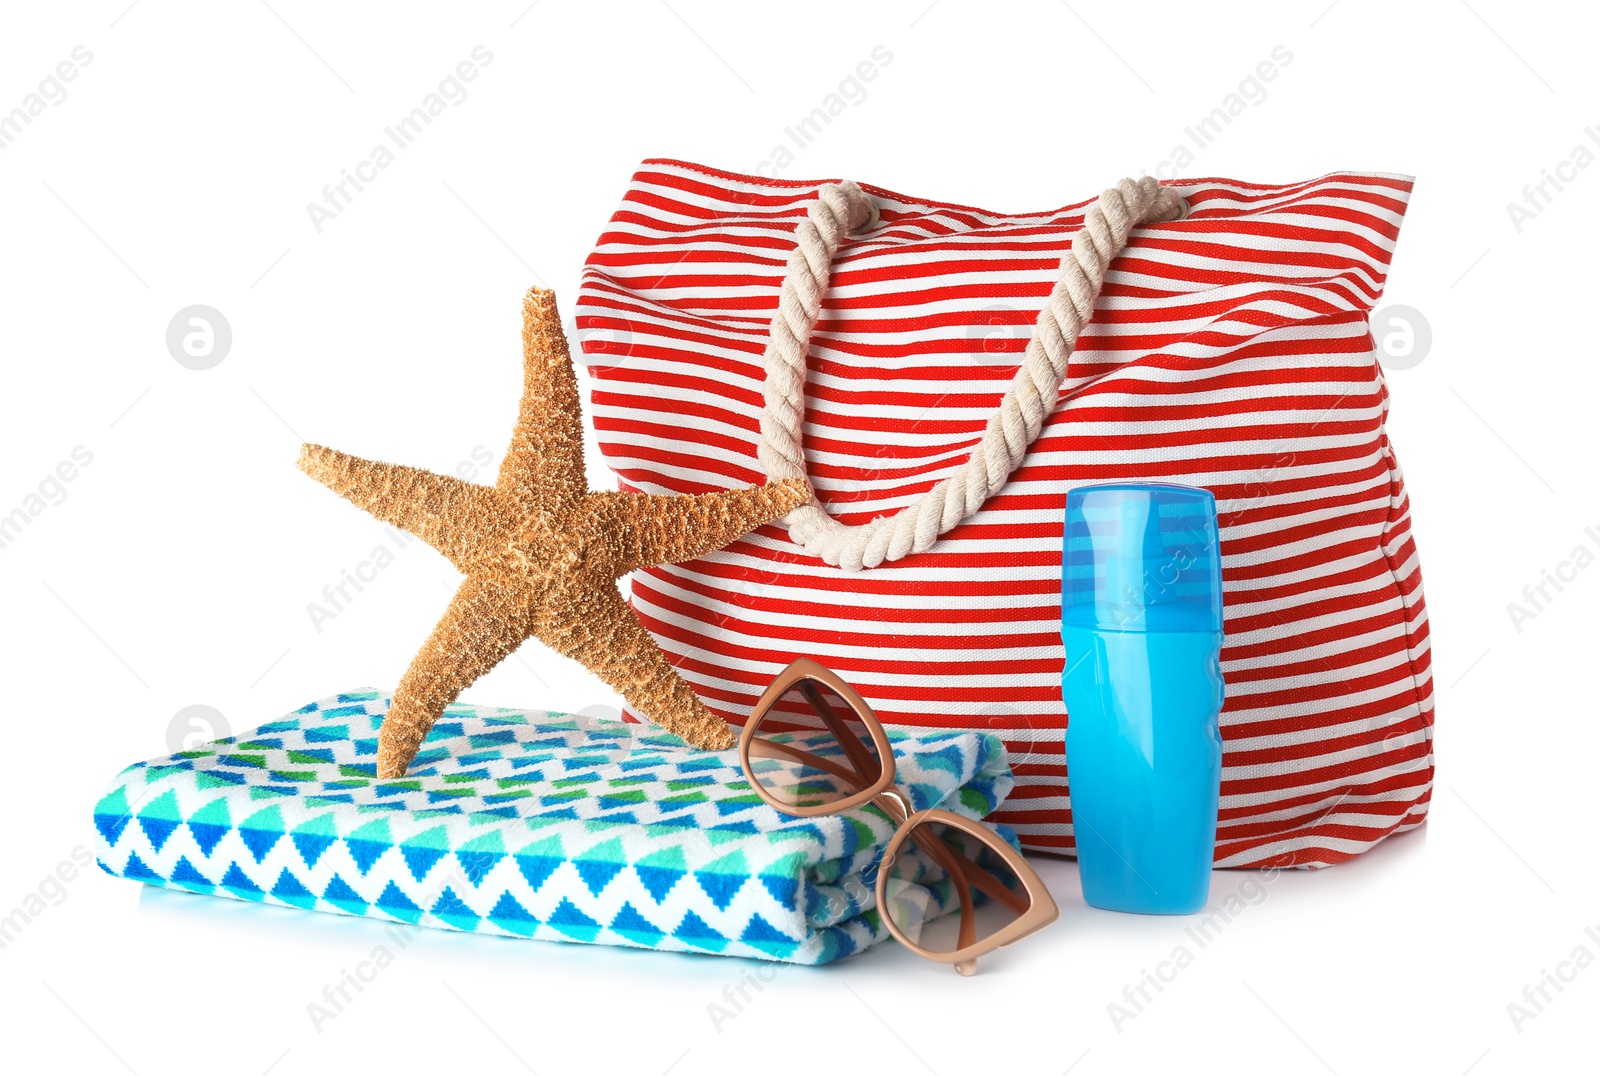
(525, 823)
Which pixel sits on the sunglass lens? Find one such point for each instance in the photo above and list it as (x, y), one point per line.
(813, 749)
(921, 894)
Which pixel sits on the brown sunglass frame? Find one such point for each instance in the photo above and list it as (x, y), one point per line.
(1040, 909)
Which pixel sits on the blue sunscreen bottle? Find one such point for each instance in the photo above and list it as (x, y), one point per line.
(1141, 617)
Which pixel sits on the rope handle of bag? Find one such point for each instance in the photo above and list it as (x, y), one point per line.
(843, 208)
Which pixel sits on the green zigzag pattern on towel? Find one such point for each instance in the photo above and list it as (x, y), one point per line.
(524, 823)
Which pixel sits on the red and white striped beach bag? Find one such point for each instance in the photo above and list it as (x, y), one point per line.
(900, 353)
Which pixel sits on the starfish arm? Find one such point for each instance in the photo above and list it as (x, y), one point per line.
(447, 513)
(603, 632)
(543, 469)
(649, 530)
(481, 628)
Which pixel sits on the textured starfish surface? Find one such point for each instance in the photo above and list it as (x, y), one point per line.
(542, 555)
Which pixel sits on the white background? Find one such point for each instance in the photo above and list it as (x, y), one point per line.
(178, 568)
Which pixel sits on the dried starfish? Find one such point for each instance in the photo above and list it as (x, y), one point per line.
(542, 555)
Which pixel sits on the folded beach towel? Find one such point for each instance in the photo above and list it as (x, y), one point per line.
(525, 823)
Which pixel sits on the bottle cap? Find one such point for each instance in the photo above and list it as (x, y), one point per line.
(1141, 558)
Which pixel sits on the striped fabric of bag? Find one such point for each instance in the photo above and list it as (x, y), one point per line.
(1229, 349)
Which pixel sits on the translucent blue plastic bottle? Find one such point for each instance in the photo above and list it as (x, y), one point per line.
(1141, 617)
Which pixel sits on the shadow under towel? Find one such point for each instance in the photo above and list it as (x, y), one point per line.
(525, 823)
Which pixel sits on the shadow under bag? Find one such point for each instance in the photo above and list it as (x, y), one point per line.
(1224, 344)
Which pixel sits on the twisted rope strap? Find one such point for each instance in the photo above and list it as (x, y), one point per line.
(1011, 430)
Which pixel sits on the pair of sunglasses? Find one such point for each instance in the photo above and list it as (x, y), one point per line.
(812, 746)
